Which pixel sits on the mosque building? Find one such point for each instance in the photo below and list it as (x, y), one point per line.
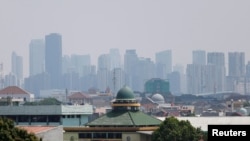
(125, 122)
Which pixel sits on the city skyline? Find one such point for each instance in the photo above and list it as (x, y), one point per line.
(26, 71)
(88, 27)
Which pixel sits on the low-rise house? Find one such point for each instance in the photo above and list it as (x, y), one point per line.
(15, 93)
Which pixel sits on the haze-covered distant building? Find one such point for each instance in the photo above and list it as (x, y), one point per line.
(103, 72)
(36, 56)
(157, 85)
(53, 58)
(199, 57)
(163, 62)
(17, 68)
(216, 72)
(236, 72)
(144, 70)
(130, 62)
(115, 58)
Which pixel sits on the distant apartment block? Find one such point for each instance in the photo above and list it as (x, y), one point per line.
(53, 58)
(36, 56)
(130, 62)
(199, 57)
(164, 59)
(17, 68)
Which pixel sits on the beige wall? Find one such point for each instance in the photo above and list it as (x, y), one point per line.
(132, 135)
(145, 137)
(68, 135)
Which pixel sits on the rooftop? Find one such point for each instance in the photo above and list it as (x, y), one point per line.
(36, 129)
(203, 122)
(13, 90)
(125, 93)
(125, 118)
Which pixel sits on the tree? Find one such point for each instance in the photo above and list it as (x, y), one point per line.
(8, 132)
(171, 129)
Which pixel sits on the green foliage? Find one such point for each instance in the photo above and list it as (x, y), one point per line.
(171, 129)
(46, 101)
(246, 104)
(8, 132)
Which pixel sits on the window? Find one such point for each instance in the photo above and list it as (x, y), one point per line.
(84, 135)
(114, 135)
(54, 118)
(99, 135)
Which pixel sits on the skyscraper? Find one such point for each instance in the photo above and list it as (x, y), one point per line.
(37, 56)
(216, 72)
(104, 72)
(199, 57)
(163, 61)
(130, 62)
(17, 68)
(53, 58)
(81, 64)
(236, 64)
(115, 58)
(236, 72)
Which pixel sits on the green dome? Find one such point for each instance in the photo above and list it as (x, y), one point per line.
(125, 93)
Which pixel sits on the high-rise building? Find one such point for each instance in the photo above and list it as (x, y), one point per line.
(199, 57)
(216, 72)
(36, 56)
(163, 61)
(53, 58)
(248, 69)
(216, 58)
(236, 72)
(118, 80)
(195, 78)
(180, 68)
(17, 68)
(144, 70)
(130, 62)
(236, 64)
(79, 63)
(104, 72)
(115, 58)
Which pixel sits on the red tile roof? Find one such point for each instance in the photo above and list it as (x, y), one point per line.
(36, 129)
(13, 90)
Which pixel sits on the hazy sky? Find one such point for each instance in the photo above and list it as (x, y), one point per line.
(94, 26)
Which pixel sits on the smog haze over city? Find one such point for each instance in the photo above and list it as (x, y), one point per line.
(93, 27)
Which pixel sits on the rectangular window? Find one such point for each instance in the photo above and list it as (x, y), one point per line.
(54, 118)
(84, 135)
(23, 118)
(99, 135)
(114, 135)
